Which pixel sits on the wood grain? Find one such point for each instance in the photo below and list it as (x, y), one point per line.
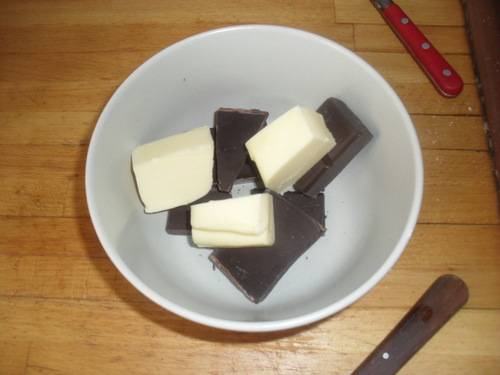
(47, 128)
(49, 236)
(83, 339)
(64, 306)
(468, 251)
(421, 98)
(451, 132)
(136, 38)
(421, 12)
(14, 356)
(451, 175)
(74, 12)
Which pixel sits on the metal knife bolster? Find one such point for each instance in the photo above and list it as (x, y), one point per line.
(382, 4)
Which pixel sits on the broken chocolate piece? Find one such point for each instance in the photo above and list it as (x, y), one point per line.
(248, 172)
(351, 136)
(233, 128)
(214, 171)
(257, 270)
(313, 206)
(179, 218)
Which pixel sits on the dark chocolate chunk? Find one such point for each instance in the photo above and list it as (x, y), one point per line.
(257, 270)
(249, 171)
(179, 218)
(313, 206)
(351, 136)
(214, 170)
(233, 128)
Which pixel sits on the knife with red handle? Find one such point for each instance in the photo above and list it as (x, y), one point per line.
(436, 68)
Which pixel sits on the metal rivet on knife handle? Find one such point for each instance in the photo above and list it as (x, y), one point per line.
(444, 298)
(432, 63)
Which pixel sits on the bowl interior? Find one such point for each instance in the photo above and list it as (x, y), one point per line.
(371, 207)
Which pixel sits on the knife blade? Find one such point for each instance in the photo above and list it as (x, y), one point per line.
(441, 74)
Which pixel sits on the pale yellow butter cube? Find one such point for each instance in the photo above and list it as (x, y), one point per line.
(174, 171)
(237, 222)
(289, 146)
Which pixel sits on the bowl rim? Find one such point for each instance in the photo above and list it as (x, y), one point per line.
(259, 326)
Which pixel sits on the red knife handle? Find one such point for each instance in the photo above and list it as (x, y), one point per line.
(438, 70)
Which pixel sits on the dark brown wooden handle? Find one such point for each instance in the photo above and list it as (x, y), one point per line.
(439, 303)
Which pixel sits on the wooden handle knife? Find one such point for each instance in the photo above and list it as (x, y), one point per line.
(438, 304)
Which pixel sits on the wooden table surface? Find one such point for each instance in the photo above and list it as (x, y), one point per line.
(65, 309)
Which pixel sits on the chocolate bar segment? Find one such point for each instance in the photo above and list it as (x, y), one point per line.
(313, 206)
(257, 270)
(233, 128)
(248, 172)
(351, 136)
(179, 218)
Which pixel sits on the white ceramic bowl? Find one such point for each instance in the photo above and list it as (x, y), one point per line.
(372, 206)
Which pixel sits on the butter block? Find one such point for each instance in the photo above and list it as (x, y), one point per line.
(174, 171)
(237, 222)
(289, 146)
